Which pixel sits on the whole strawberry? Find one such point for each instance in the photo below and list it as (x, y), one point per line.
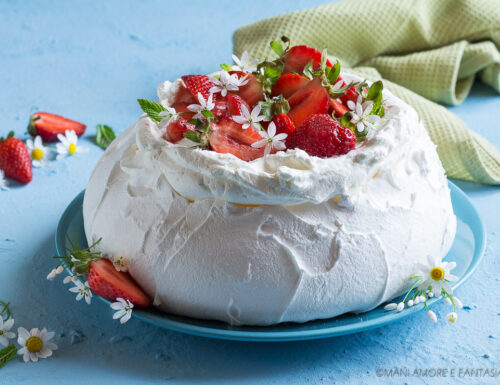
(321, 135)
(15, 159)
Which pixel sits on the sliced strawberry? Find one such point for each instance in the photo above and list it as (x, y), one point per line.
(198, 83)
(177, 128)
(250, 92)
(15, 160)
(321, 135)
(106, 281)
(339, 108)
(351, 94)
(184, 96)
(227, 136)
(283, 124)
(48, 126)
(288, 84)
(298, 56)
(234, 103)
(220, 109)
(309, 100)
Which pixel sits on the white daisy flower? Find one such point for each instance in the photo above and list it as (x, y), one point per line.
(68, 144)
(205, 105)
(248, 119)
(3, 182)
(38, 152)
(360, 114)
(169, 115)
(124, 309)
(5, 333)
(437, 275)
(35, 344)
(244, 64)
(271, 140)
(226, 83)
(83, 291)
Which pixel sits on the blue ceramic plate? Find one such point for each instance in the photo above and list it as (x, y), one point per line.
(467, 250)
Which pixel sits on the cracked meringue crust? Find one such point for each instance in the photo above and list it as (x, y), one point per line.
(287, 237)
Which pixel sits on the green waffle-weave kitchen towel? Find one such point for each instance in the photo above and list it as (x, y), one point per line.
(423, 49)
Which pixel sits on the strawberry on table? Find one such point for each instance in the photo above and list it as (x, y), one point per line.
(252, 91)
(288, 84)
(110, 283)
(308, 100)
(322, 136)
(48, 126)
(15, 160)
(298, 56)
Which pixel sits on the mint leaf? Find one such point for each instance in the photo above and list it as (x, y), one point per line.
(193, 136)
(152, 109)
(105, 135)
(277, 47)
(7, 354)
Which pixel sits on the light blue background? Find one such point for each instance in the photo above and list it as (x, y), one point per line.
(90, 61)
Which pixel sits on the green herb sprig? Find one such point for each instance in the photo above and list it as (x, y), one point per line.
(10, 351)
(78, 260)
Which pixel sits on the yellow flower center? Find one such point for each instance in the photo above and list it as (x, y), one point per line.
(72, 148)
(437, 274)
(37, 154)
(34, 344)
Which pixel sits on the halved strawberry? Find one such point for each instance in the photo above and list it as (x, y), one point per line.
(198, 83)
(339, 108)
(48, 126)
(283, 124)
(298, 56)
(234, 103)
(184, 96)
(227, 137)
(177, 128)
(309, 100)
(110, 283)
(250, 92)
(288, 84)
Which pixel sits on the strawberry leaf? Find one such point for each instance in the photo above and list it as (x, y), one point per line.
(152, 109)
(105, 135)
(193, 136)
(277, 47)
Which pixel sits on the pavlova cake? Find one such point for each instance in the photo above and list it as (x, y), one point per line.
(268, 192)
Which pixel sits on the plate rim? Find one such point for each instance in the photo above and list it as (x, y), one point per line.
(474, 220)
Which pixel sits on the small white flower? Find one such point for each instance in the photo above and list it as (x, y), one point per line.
(360, 114)
(38, 152)
(244, 64)
(432, 316)
(271, 140)
(5, 333)
(51, 275)
(447, 301)
(68, 145)
(35, 344)
(410, 303)
(451, 317)
(421, 298)
(169, 115)
(437, 275)
(83, 291)
(400, 307)
(416, 301)
(248, 119)
(124, 309)
(3, 182)
(205, 105)
(120, 263)
(458, 303)
(390, 306)
(227, 82)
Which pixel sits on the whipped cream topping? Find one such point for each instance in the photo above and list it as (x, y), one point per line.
(287, 237)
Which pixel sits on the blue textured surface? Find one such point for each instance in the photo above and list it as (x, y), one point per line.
(90, 61)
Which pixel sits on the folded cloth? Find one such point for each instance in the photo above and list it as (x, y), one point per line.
(423, 49)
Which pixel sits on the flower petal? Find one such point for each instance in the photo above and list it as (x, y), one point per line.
(260, 143)
(126, 317)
